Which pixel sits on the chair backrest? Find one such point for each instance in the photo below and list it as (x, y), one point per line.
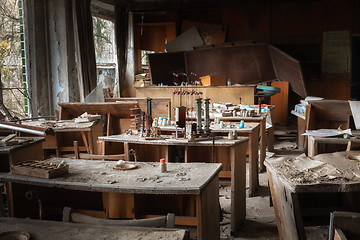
(162, 221)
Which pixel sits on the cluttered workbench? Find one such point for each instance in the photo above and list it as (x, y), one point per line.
(250, 130)
(231, 153)
(141, 192)
(305, 190)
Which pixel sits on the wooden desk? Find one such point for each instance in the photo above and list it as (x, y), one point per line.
(66, 132)
(231, 153)
(262, 134)
(113, 112)
(44, 230)
(27, 148)
(251, 130)
(305, 192)
(190, 191)
(317, 144)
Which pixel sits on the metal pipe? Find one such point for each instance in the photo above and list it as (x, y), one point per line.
(149, 109)
(206, 116)
(198, 115)
(22, 129)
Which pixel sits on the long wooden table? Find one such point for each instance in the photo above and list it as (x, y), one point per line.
(305, 190)
(22, 149)
(264, 138)
(251, 130)
(231, 153)
(190, 191)
(44, 230)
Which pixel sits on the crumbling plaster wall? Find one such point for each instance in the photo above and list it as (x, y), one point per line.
(51, 68)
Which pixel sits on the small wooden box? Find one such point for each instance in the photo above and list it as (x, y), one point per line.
(39, 169)
(213, 80)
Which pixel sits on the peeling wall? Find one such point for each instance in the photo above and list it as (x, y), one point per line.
(51, 61)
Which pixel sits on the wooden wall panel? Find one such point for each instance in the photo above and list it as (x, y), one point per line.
(339, 90)
(242, 64)
(248, 22)
(280, 100)
(296, 22)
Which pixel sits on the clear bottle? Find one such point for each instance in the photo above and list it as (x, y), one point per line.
(163, 165)
(228, 82)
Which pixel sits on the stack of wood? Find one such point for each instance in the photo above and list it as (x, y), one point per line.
(135, 113)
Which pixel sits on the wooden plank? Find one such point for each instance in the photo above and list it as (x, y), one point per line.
(238, 185)
(288, 226)
(280, 101)
(208, 211)
(119, 205)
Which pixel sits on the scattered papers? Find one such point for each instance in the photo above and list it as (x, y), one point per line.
(327, 132)
(85, 117)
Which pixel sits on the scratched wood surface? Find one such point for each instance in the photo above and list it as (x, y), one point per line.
(90, 175)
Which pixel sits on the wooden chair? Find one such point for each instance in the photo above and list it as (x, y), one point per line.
(344, 225)
(162, 221)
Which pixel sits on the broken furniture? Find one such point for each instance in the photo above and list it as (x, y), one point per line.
(251, 130)
(344, 225)
(322, 114)
(55, 230)
(20, 149)
(305, 190)
(113, 113)
(68, 131)
(139, 193)
(316, 144)
(231, 153)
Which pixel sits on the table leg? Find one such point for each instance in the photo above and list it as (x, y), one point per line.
(253, 161)
(312, 147)
(207, 211)
(85, 141)
(126, 151)
(263, 140)
(270, 139)
(90, 142)
(238, 185)
(10, 198)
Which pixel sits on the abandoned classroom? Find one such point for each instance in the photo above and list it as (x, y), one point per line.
(154, 119)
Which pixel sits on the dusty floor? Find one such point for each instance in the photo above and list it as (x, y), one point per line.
(260, 223)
